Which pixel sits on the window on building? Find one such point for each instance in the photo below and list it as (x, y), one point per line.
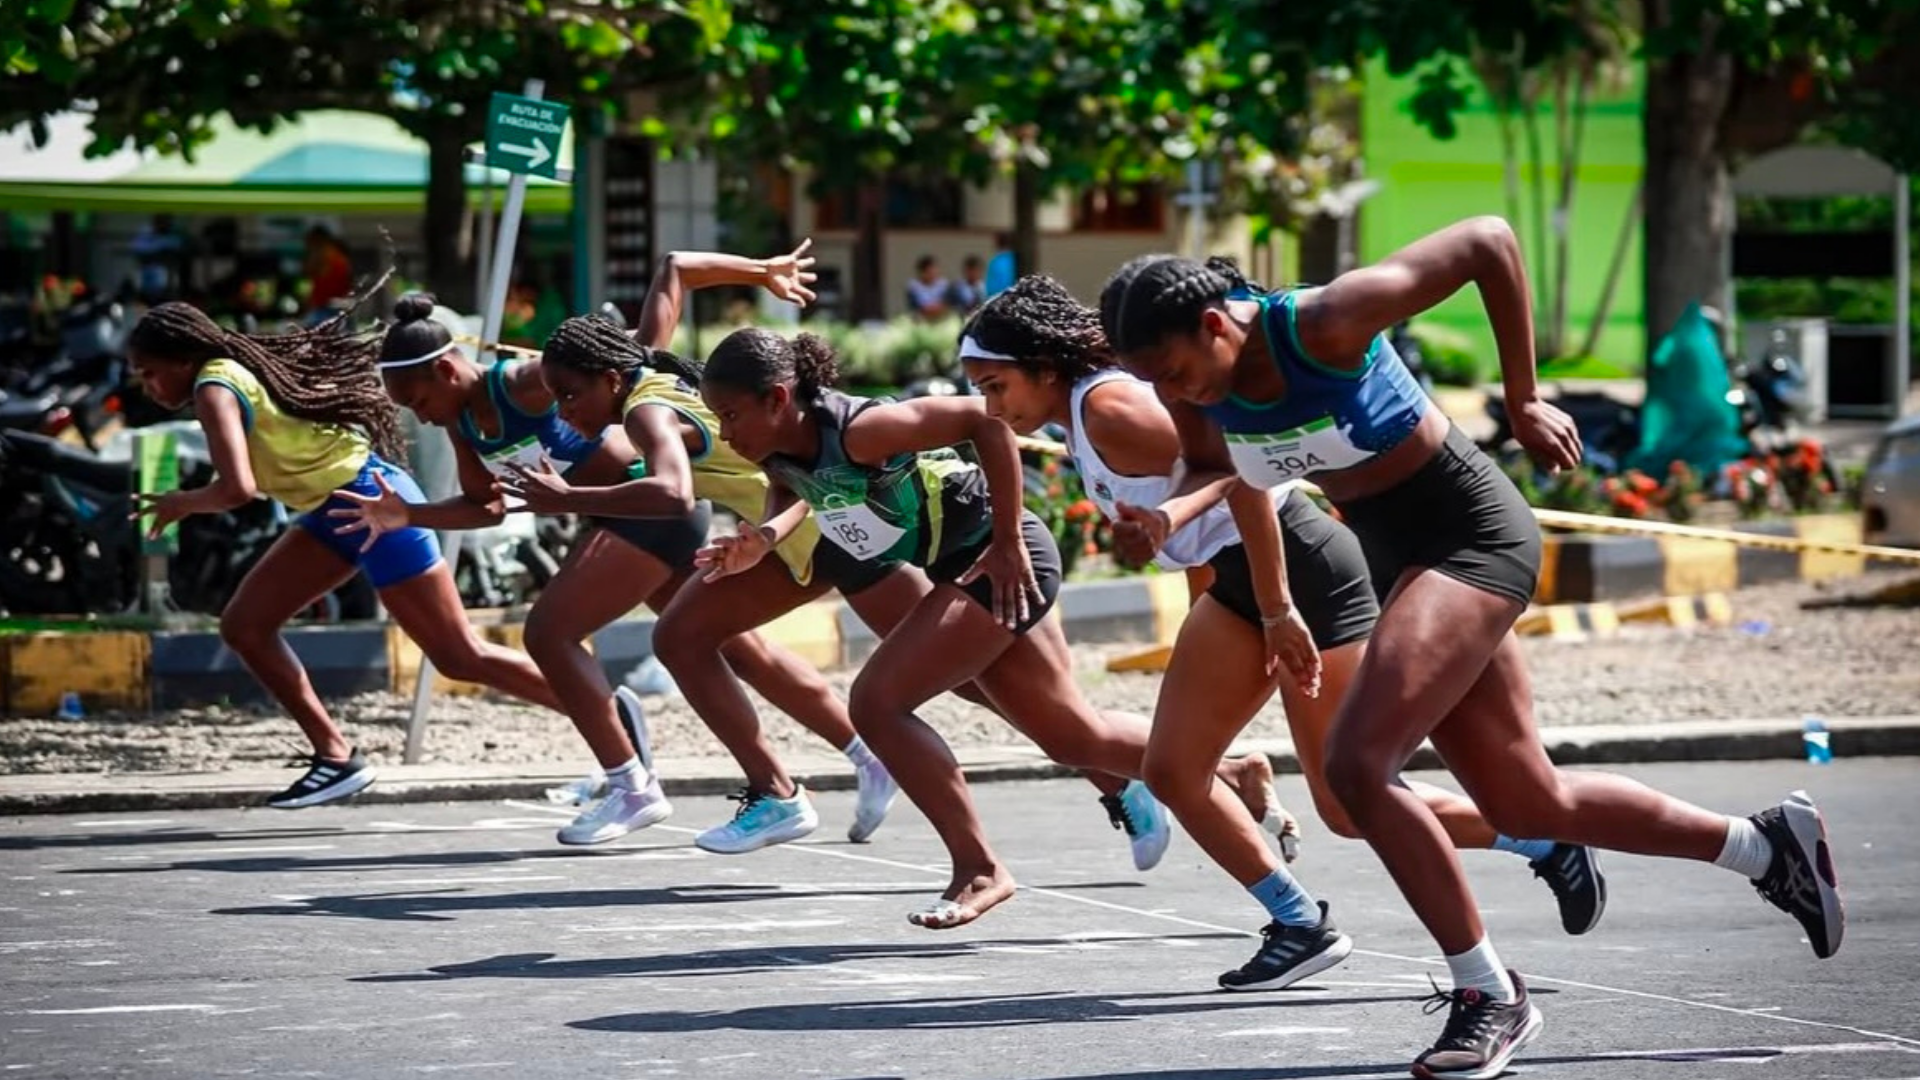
(1121, 208)
(911, 203)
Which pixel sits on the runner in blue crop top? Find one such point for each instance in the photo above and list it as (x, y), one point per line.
(1301, 386)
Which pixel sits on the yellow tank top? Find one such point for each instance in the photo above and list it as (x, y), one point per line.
(296, 460)
(720, 474)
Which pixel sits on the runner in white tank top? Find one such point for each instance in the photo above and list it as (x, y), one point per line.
(1040, 357)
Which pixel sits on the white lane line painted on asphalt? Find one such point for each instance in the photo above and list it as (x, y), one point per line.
(1285, 1031)
(483, 825)
(754, 925)
(101, 1010)
(464, 1067)
(1108, 905)
(121, 823)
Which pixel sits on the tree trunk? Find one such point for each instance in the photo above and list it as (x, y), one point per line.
(869, 222)
(1539, 254)
(1604, 306)
(1572, 126)
(1688, 192)
(1026, 217)
(449, 271)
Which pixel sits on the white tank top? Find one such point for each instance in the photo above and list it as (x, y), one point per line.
(1200, 540)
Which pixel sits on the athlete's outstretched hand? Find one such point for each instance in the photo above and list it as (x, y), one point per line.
(1547, 433)
(543, 490)
(1290, 648)
(789, 275)
(1005, 563)
(1138, 534)
(166, 509)
(736, 554)
(375, 515)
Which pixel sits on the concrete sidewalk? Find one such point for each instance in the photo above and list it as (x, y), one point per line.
(1611, 744)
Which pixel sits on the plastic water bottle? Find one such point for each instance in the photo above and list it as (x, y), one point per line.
(1817, 739)
(70, 707)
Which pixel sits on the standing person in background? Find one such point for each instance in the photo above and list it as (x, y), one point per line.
(1000, 268)
(329, 274)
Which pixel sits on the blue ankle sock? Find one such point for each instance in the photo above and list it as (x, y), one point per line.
(1285, 900)
(1531, 850)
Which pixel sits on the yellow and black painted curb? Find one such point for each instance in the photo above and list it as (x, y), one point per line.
(1602, 619)
(1652, 559)
(139, 670)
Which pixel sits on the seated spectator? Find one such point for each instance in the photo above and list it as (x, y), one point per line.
(927, 291)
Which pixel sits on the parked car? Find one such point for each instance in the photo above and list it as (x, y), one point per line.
(1890, 492)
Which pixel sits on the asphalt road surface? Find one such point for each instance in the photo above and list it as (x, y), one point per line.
(460, 940)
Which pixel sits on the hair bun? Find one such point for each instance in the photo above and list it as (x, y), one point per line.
(414, 307)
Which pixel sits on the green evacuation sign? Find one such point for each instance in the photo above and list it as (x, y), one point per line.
(523, 135)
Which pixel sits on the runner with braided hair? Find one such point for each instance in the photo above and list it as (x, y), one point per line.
(1039, 357)
(1303, 384)
(302, 418)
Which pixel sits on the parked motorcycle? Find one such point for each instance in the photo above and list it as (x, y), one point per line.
(69, 547)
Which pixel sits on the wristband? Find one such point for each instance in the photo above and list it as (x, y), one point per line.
(1271, 621)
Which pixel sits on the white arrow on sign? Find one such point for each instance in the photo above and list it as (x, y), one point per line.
(536, 155)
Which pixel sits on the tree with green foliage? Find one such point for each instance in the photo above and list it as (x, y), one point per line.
(156, 73)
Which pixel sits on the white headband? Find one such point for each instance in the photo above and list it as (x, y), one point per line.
(434, 355)
(973, 350)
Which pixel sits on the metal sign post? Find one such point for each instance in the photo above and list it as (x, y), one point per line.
(523, 137)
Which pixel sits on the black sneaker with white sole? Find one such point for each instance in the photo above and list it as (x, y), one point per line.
(324, 782)
(1482, 1035)
(1289, 954)
(1573, 873)
(1801, 881)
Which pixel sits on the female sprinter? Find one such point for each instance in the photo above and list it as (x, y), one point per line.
(1302, 383)
(882, 481)
(301, 418)
(646, 537)
(708, 611)
(1039, 357)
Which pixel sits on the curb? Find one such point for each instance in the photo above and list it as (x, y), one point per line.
(1583, 568)
(1616, 744)
(139, 670)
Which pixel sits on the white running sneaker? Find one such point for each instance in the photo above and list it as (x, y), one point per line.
(877, 792)
(761, 821)
(620, 813)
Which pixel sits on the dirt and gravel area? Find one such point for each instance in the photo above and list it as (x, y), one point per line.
(1779, 659)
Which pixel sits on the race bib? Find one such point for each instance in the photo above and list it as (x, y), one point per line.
(858, 530)
(527, 453)
(1269, 460)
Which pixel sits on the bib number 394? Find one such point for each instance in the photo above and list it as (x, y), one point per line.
(1270, 460)
(858, 530)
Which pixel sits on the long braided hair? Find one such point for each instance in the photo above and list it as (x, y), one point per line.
(1156, 297)
(325, 373)
(595, 343)
(1044, 327)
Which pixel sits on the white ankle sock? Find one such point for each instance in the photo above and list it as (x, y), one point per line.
(1747, 850)
(858, 753)
(630, 776)
(1479, 969)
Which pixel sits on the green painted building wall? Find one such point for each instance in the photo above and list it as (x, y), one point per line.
(1428, 183)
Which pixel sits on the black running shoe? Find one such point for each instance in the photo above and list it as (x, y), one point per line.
(1289, 954)
(1481, 1035)
(1801, 881)
(325, 781)
(1573, 873)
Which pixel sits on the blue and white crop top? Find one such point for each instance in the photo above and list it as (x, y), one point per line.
(1328, 419)
(525, 439)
